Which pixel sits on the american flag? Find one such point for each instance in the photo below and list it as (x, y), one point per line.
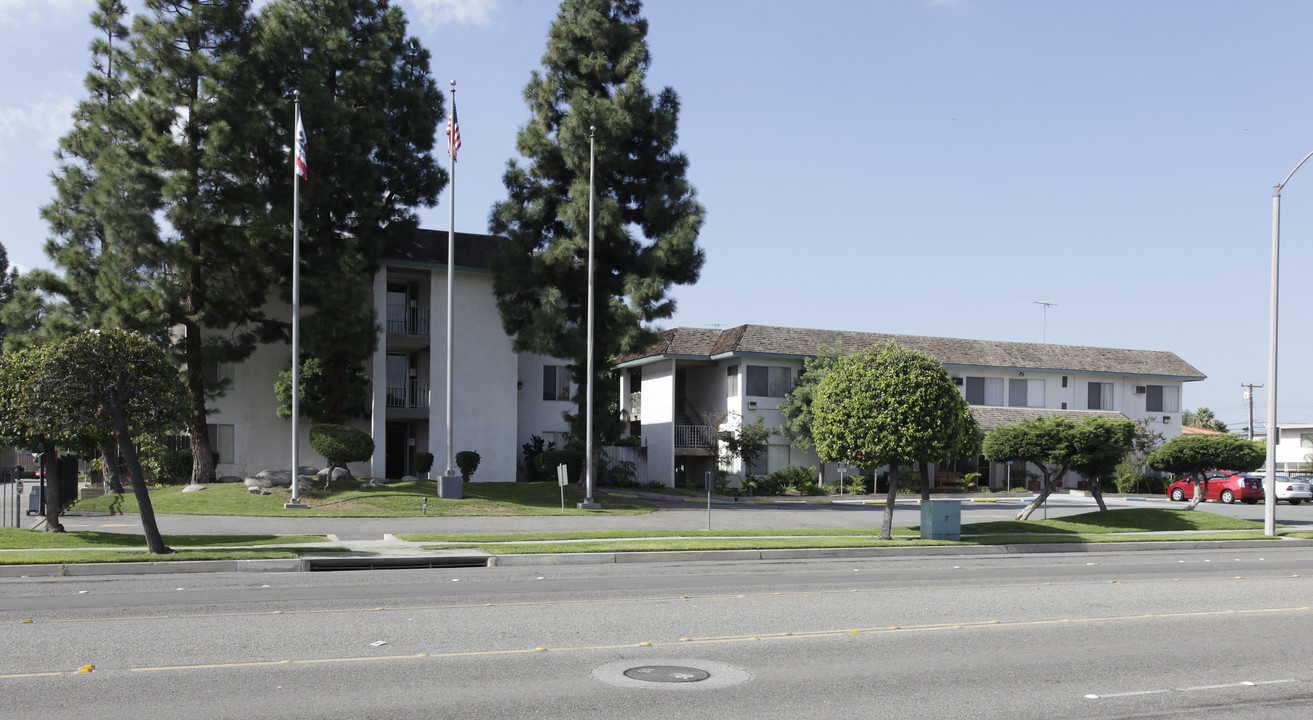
(453, 133)
(301, 168)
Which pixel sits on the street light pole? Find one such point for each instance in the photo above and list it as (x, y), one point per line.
(1274, 433)
(589, 476)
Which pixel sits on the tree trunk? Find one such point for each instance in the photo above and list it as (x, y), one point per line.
(1050, 484)
(54, 503)
(1199, 489)
(923, 467)
(109, 458)
(154, 541)
(1096, 489)
(202, 460)
(887, 525)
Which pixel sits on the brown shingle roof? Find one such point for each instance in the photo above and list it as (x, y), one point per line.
(801, 342)
(429, 247)
(989, 417)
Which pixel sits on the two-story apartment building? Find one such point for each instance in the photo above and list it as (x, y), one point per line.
(500, 398)
(695, 382)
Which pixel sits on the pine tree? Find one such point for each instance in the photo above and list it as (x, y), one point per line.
(7, 279)
(646, 216)
(370, 108)
(194, 82)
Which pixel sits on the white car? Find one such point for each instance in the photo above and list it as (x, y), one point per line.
(1294, 490)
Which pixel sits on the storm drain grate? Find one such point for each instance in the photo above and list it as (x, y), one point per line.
(670, 674)
(667, 674)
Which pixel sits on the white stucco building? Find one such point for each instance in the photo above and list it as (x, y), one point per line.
(499, 398)
(670, 391)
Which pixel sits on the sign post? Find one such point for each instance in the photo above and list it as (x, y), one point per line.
(842, 467)
(562, 479)
(709, 484)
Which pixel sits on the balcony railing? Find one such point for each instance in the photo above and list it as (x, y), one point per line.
(413, 320)
(701, 436)
(408, 394)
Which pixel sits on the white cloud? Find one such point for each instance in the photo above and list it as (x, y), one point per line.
(37, 123)
(29, 12)
(470, 12)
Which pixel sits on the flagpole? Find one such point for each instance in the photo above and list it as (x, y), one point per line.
(588, 380)
(296, 304)
(452, 129)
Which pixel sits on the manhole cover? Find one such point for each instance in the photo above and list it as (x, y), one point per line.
(673, 674)
(667, 673)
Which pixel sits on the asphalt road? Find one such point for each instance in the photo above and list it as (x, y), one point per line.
(1173, 634)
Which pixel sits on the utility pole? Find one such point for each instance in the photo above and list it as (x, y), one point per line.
(1249, 398)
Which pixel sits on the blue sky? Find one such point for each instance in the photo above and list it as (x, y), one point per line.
(907, 166)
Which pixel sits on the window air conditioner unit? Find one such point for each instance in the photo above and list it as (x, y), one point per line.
(1139, 389)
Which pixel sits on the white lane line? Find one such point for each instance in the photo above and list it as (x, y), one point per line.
(1246, 683)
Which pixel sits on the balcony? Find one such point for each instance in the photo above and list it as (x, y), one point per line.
(695, 439)
(408, 327)
(409, 394)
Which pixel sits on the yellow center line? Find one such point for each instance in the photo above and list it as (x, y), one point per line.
(645, 600)
(962, 625)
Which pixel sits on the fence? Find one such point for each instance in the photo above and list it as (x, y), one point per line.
(614, 454)
(11, 512)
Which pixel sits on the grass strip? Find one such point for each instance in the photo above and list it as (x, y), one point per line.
(19, 539)
(351, 498)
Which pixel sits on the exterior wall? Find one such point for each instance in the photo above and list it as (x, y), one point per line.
(537, 416)
(261, 440)
(484, 397)
(1293, 451)
(484, 402)
(658, 390)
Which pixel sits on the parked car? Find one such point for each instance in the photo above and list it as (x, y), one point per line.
(1220, 485)
(1295, 490)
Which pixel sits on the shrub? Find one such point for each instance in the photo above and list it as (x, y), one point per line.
(967, 483)
(574, 463)
(423, 462)
(856, 484)
(174, 467)
(340, 445)
(615, 473)
(532, 451)
(468, 462)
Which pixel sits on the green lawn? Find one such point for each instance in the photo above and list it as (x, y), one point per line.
(17, 539)
(351, 499)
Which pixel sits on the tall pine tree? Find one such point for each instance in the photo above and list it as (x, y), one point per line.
(371, 110)
(7, 279)
(646, 216)
(193, 84)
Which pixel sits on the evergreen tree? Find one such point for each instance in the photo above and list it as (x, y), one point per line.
(647, 218)
(370, 109)
(7, 279)
(194, 83)
(797, 405)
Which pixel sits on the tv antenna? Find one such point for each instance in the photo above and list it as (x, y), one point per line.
(1044, 328)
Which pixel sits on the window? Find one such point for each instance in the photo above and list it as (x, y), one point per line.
(732, 381)
(556, 382)
(1306, 440)
(984, 391)
(769, 381)
(1025, 393)
(777, 458)
(1100, 396)
(1162, 398)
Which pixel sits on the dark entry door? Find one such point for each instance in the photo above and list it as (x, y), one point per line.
(397, 462)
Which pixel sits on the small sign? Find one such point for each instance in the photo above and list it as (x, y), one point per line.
(711, 484)
(562, 475)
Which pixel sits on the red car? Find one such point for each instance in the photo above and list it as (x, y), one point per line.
(1218, 485)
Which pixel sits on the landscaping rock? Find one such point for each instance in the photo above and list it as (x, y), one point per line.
(409, 478)
(258, 483)
(193, 487)
(339, 473)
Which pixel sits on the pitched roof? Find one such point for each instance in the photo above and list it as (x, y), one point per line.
(429, 247)
(1191, 430)
(765, 340)
(989, 417)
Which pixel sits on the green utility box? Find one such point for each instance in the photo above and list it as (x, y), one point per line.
(941, 520)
